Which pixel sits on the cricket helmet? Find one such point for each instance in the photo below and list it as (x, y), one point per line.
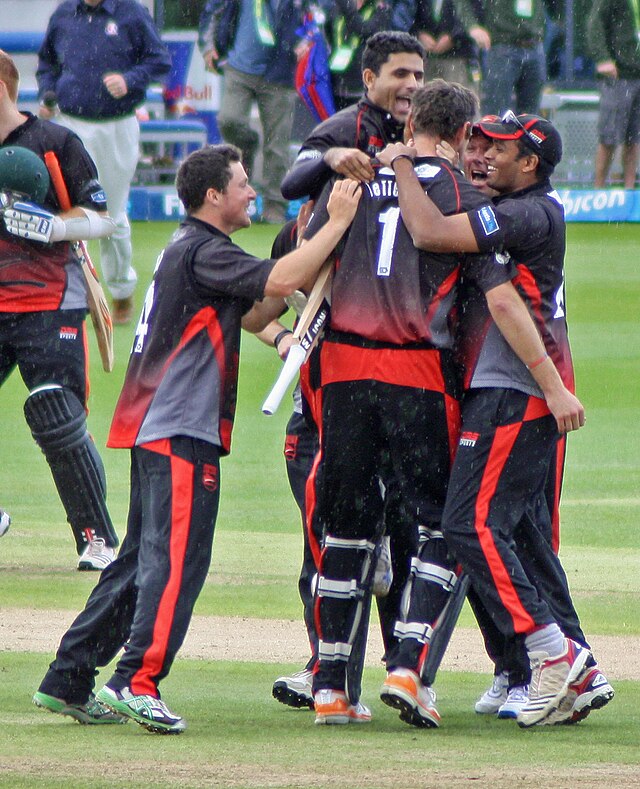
(22, 171)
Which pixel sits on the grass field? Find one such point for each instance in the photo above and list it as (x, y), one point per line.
(238, 736)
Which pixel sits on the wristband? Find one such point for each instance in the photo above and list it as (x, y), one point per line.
(279, 336)
(537, 362)
(400, 156)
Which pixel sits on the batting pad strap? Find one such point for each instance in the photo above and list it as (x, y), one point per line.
(426, 533)
(84, 228)
(420, 631)
(433, 573)
(341, 590)
(334, 651)
(340, 542)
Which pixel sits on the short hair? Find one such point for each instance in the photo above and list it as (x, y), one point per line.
(9, 75)
(381, 45)
(440, 108)
(204, 169)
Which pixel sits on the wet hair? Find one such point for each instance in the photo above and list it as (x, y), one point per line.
(380, 46)
(9, 75)
(204, 169)
(440, 108)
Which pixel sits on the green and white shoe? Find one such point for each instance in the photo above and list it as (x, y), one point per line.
(148, 711)
(92, 713)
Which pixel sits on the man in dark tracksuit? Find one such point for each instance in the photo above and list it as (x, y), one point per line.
(517, 402)
(175, 413)
(392, 68)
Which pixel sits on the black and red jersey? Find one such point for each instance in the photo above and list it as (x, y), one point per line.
(528, 227)
(387, 291)
(363, 125)
(183, 369)
(36, 277)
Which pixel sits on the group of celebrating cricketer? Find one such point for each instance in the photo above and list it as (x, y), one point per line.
(442, 392)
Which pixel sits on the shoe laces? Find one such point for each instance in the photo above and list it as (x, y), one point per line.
(96, 546)
(519, 693)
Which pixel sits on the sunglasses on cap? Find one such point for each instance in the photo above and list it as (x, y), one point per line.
(510, 117)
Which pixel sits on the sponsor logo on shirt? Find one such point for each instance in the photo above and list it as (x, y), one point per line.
(427, 170)
(502, 258)
(468, 439)
(68, 332)
(111, 28)
(210, 477)
(99, 196)
(488, 220)
(304, 155)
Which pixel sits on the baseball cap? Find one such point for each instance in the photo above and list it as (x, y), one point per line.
(539, 133)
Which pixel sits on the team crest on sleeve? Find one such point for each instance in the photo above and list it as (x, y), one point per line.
(99, 196)
(488, 220)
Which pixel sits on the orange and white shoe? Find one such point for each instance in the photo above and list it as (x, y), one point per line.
(333, 708)
(403, 690)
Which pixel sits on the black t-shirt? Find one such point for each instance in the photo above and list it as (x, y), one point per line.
(385, 289)
(34, 276)
(527, 227)
(183, 370)
(364, 126)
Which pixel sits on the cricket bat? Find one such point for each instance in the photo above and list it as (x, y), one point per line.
(307, 333)
(98, 307)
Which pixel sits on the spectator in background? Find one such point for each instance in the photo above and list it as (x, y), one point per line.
(95, 64)
(349, 25)
(452, 54)
(258, 66)
(511, 32)
(613, 35)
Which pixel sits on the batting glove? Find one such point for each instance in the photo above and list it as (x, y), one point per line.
(30, 221)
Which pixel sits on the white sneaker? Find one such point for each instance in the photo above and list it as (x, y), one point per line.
(296, 690)
(5, 522)
(96, 556)
(493, 698)
(516, 700)
(551, 681)
(383, 575)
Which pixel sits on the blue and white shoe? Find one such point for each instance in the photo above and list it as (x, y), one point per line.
(148, 711)
(516, 699)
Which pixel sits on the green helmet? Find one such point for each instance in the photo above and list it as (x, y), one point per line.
(24, 172)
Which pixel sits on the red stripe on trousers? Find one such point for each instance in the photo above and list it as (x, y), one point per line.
(504, 440)
(181, 504)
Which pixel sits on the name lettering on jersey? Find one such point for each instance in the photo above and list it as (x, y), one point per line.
(488, 220)
(468, 439)
(68, 333)
(382, 188)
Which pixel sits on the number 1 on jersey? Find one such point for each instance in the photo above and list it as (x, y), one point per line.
(389, 221)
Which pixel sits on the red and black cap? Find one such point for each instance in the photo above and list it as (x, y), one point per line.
(539, 134)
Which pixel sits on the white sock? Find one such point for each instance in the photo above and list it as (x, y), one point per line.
(549, 639)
